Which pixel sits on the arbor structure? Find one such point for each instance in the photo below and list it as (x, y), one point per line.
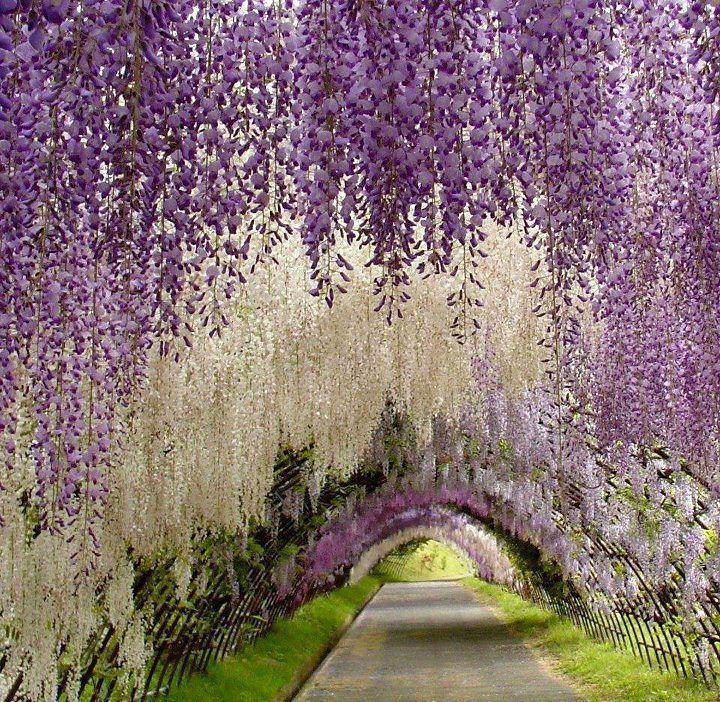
(271, 269)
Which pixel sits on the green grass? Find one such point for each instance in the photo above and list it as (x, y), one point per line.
(429, 560)
(292, 647)
(600, 673)
(267, 669)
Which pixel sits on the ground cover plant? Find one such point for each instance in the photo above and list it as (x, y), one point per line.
(274, 662)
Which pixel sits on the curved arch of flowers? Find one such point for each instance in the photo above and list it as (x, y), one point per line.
(211, 212)
(356, 547)
(455, 507)
(471, 543)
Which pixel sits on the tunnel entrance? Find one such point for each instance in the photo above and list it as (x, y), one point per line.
(424, 559)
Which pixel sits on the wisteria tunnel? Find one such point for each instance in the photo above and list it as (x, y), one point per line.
(292, 289)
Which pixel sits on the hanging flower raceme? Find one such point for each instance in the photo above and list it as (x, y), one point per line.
(157, 153)
(395, 106)
(656, 342)
(175, 177)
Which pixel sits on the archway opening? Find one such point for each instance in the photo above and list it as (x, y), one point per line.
(424, 559)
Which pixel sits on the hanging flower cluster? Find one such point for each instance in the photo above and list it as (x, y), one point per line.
(155, 154)
(194, 451)
(203, 438)
(176, 177)
(395, 146)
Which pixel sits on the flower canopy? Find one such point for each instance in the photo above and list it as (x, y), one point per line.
(237, 228)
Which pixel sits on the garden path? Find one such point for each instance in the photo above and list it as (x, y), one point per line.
(432, 642)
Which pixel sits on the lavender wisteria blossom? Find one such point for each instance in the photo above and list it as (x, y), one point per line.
(154, 153)
(231, 227)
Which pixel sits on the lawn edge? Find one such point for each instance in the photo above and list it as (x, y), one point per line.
(305, 672)
(590, 690)
(546, 658)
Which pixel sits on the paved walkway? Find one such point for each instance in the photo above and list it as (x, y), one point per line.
(431, 642)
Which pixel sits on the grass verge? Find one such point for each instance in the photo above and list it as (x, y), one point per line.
(277, 662)
(600, 672)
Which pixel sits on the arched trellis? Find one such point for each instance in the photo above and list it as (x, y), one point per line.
(645, 624)
(447, 537)
(236, 592)
(357, 550)
(619, 627)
